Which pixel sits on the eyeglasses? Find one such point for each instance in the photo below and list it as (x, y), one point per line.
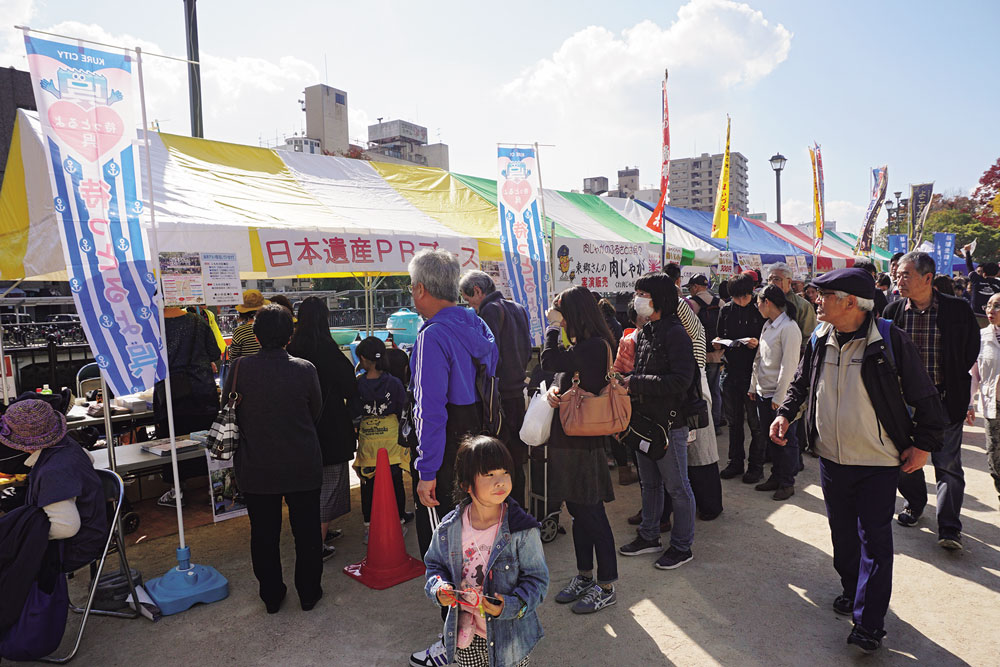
(774, 279)
(826, 295)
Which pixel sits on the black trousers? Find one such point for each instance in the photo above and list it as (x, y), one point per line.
(513, 417)
(707, 488)
(265, 543)
(860, 501)
(592, 534)
(368, 492)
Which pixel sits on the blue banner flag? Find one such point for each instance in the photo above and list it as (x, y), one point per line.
(898, 243)
(86, 105)
(944, 252)
(521, 234)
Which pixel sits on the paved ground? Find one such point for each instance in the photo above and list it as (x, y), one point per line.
(758, 592)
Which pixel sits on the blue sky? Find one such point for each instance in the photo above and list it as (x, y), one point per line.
(908, 84)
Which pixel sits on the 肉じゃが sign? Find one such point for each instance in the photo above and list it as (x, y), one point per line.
(602, 266)
(86, 105)
(521, 233)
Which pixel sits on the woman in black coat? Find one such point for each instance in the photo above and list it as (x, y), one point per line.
(279, 458)
(578, 465)
(337, 438)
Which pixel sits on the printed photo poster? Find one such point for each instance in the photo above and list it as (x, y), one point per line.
(498, 272)
(200, 279)
(793, 262)
(88, 107)
(725, 265)
(601, 266)
(227, 501)
(749, 261)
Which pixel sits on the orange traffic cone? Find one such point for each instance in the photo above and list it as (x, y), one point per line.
(387, 562)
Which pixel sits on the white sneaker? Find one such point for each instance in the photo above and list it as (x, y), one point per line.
(169, 499)
(434, 656)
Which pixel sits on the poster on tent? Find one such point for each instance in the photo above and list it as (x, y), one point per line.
(200, 279)
(497, 271)
(289, 252)
(674, 255)
(87, 107)
(802, 266)
(725, 265)
(521, 237)
(227, 501)
(944, 252)
(601, 266)
(748, 261)
(794, 265)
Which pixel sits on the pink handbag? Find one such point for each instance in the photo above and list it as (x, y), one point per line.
(584, 414)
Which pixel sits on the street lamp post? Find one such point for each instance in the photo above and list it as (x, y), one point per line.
(777, 164)
(889, 209)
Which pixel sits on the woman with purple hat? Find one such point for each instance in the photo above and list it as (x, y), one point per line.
(62, 481)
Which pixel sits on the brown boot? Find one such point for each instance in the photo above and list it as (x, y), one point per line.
(627, 475)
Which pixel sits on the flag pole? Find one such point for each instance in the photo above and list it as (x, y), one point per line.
(186, 584)
(552, 224)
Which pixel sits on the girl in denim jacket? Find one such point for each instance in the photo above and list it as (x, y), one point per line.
(486, 565)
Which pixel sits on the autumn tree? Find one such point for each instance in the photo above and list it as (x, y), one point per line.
(987, 196)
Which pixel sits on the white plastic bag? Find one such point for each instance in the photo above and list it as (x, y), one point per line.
(537, 419)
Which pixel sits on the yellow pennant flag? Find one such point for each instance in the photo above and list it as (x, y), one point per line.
(720, 221)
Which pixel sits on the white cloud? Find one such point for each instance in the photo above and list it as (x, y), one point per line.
(593, 97)
(238, 93)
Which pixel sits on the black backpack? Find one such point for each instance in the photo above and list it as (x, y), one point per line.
(709, 316)
(488, 399)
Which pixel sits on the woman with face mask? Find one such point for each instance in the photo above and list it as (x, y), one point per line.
(578, 341)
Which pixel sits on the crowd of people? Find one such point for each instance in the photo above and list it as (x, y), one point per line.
(872, 374)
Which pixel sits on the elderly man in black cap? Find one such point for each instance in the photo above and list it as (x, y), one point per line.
(858, 376)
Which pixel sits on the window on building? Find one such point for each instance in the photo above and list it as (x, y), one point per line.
(298, 148)
(696, 165)
(340, 98)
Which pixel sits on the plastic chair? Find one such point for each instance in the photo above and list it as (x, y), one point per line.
(114, 492)
(88, 378)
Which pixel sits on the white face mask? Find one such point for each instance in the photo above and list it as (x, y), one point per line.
(643, 306)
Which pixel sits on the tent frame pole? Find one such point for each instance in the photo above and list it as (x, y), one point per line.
(3, 366)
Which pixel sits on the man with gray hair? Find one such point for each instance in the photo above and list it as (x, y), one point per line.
(451, 342)
(947, 336)
(512, 332)
(859, 377)
(781, 274)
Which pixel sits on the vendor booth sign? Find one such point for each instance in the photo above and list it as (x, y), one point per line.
(749, 261)
(725, 265)
(602, 266)
(289, 252)
(86, 105)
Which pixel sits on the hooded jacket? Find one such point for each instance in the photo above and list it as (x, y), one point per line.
(443, 369)
(516, 567)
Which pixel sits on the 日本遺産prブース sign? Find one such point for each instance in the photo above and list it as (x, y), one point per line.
(521, 235)
(86, 105)
(290, 252)
(602, 266)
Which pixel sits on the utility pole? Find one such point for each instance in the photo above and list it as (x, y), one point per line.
(194, 67)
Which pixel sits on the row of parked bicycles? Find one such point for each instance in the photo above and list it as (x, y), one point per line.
(39, 334)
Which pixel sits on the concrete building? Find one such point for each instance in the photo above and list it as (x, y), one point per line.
(694, 181)
(326, 118)
(595, 185)
(628, 181)
(403, 142)
(301, 144)
(15, 93)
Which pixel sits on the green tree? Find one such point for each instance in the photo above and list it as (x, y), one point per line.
(967, 228)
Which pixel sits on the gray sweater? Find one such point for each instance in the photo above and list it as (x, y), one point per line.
(281, 402)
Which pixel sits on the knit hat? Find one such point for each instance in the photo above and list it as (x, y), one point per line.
(252, 300)
(31, 425)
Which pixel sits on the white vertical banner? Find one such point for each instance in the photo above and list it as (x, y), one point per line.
(87, 106)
